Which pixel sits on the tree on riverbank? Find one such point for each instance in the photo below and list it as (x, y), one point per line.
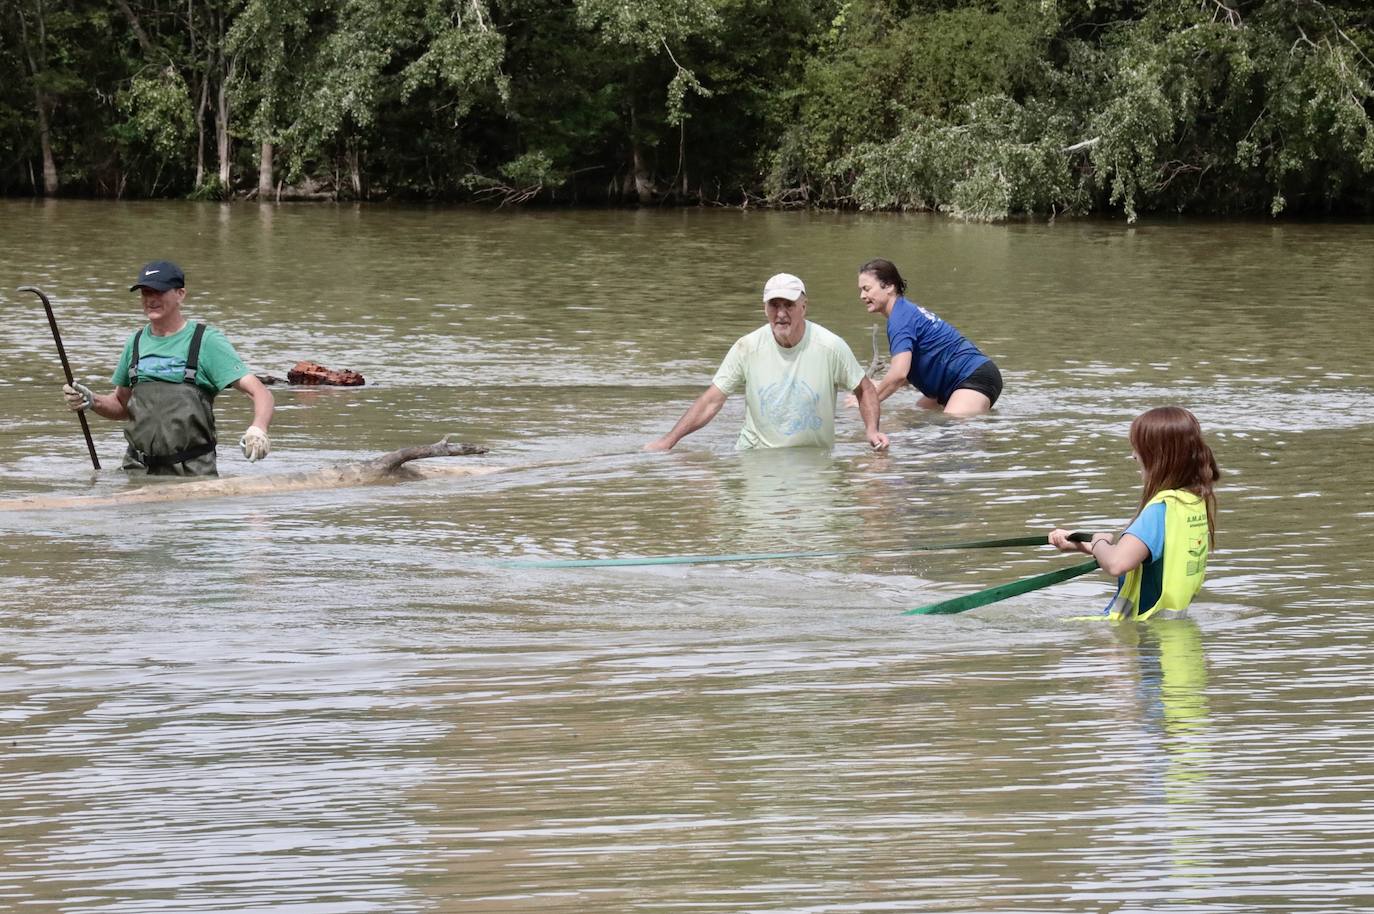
(981, 109)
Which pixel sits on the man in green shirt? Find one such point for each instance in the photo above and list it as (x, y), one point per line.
(168, 376)
(789, 370)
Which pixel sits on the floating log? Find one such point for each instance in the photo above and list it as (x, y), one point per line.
(314, 373)
(388, 467)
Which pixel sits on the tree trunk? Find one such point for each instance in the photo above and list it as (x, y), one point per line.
(41, 102)
(222, 137)
(45, 142)
(682, 156)
(200, 129)
(137, 26)
(355, 172)
(353, 473)
(644, 187)
(222, 145)
(265, 170)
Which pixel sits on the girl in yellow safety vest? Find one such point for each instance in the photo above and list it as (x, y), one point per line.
(1161, 558)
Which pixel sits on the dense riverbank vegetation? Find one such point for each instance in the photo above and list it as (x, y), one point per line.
(982, 109)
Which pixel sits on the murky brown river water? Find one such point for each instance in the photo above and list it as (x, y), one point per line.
(352, 700)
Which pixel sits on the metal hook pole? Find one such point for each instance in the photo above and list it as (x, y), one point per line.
(66, 368)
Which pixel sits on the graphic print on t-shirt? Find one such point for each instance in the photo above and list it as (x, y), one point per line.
(790, 406)
(161, 367)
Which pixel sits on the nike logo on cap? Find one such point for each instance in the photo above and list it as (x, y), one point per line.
(150, 272)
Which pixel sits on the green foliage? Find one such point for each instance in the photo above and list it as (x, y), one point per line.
(268, 36)
(1144, 102)
(646, 25)
(463, 56)
(1198, 110)
(958, 56)
(533, 169)
(158, 107)
(683, 81)
(1004, 159)
(209, 189)
(645, 29)
(1167, 106)
(1315, 142)
(983, 109)
(877, 75)
(342, 80)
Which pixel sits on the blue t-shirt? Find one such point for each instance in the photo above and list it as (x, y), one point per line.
(1149, 529)
(940, 356)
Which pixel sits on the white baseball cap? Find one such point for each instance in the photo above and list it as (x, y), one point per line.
(783, 285)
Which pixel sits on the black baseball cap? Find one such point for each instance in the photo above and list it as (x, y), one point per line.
(159, 275)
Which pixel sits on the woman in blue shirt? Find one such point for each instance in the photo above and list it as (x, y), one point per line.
(951, 373)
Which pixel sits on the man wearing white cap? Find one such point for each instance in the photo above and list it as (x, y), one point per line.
(789, 370)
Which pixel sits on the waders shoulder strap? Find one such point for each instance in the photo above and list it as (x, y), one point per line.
(193, 354)
(133, 359)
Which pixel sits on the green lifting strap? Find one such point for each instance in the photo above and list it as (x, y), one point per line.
(1002, 591)
(1005, 543)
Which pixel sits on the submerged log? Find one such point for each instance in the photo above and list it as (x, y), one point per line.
(314, 373)
(388, 467)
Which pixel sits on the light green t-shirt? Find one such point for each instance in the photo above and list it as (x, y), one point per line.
(789, 393)
(163, 358)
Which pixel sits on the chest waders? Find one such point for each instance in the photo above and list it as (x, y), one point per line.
(171, 428)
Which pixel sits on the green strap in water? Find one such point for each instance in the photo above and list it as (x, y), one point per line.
(1002, 591)
(1005, 543)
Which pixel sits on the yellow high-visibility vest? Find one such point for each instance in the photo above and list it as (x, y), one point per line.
(1169, 583)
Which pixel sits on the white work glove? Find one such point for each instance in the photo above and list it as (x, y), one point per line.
(255, 444)
(78, 396)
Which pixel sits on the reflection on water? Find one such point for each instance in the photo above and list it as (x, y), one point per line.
(349, 700)
(804, 496)
(1167, 667)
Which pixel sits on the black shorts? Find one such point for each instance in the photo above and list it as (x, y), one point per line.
(986, 380)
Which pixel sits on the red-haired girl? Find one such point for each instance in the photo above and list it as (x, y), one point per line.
(1161, 558)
